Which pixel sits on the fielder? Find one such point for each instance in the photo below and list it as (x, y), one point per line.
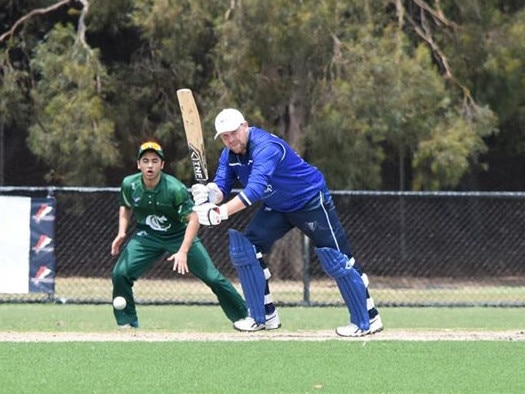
(293, 194)
(162, 207)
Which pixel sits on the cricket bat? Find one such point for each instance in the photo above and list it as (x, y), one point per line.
(194, 136)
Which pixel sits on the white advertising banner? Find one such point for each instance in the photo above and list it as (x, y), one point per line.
(15, 244)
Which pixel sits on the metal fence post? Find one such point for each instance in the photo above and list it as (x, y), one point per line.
(306, 270)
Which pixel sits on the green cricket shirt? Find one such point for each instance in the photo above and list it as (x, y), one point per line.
(163, 210)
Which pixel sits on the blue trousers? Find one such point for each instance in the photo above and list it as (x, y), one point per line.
(318, 220)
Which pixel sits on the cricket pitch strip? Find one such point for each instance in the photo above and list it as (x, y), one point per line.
(274, 335)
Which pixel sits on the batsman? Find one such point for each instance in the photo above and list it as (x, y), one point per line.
(293, 194)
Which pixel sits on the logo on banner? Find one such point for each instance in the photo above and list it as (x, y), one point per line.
(42, 275)
(43, 244)
(44, 213)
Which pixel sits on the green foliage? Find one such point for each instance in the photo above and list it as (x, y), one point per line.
(179, 37)
(357, 76)
(352, 82)
(504, 68)
(487, 54)
(172, 53)
(443, 158)
(269, 60)
(110, 17)
(385, 97)
(14, 108)
(71, 133)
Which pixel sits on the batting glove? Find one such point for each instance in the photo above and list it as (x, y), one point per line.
(206, 193)
(199, 193)
(214, 193)
(210, 214)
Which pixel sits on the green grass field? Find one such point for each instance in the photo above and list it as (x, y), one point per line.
(272, 366)
(509, 291)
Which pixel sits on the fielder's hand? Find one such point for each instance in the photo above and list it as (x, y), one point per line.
(210, 214)
(117, 243)
(180, 262)
(206, 193)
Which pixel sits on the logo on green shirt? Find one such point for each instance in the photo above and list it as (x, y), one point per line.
(158, 223)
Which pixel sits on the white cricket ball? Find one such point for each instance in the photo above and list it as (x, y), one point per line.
(119, 303)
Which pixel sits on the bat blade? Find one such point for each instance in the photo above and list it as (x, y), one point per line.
(194, 136)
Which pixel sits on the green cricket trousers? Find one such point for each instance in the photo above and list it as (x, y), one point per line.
(144, 249)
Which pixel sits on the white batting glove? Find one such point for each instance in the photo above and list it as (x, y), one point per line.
(206, 193)
(199, 193)
(214, 193)
(210, 214)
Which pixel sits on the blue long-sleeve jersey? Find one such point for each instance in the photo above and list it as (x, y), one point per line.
(270, 171)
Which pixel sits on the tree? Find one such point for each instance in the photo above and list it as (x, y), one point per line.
(352, 81)
(409, 84)
(482, 40)
(176, 38)
(15, 108)
(72, 132)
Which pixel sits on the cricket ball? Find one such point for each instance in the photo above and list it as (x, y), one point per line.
(119, 303)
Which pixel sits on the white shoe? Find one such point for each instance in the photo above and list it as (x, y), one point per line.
(351, 330)
(248, 324)
(376, 325)
(272, 321)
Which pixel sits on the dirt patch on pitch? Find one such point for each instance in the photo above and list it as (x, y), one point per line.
(151, 336)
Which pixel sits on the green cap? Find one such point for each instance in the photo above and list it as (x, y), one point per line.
(153, 146)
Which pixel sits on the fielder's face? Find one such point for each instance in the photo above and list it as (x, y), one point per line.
(150, 164)
(236, 140)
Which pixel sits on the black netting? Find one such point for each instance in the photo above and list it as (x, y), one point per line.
(427, 236)
(468, 246)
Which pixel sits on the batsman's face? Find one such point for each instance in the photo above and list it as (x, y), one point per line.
(236, 140)
(150, 164)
